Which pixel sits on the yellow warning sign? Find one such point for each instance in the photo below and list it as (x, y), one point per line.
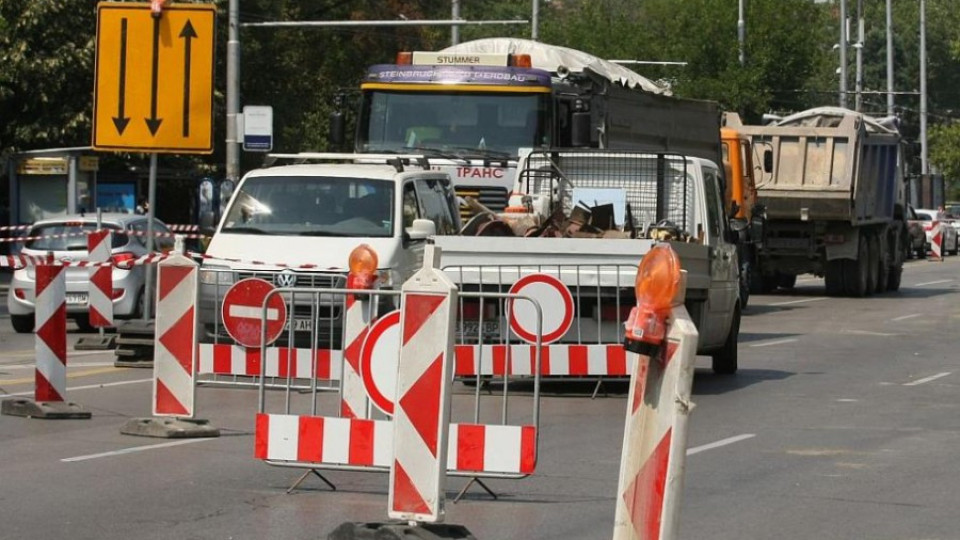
(154, 81)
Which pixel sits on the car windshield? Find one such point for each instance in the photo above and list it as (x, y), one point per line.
(469, 123)
(68, 236)
(312, 206)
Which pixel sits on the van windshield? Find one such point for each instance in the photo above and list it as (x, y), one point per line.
(312, 206)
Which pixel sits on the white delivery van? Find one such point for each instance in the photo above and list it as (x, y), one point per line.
(295, 226)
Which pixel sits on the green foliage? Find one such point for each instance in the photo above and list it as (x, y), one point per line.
(46, 79)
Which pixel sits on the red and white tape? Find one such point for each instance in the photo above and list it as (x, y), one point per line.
(21, 261)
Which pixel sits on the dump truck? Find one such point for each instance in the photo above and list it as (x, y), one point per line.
(832, 188)
(746, 214)
(587, 217)
(474, 105)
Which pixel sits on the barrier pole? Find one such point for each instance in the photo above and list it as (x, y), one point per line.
(175, 356)
(51, 352)
(100, 292)
(655, 433)
(936, 243)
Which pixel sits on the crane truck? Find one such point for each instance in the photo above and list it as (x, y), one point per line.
(474, 105)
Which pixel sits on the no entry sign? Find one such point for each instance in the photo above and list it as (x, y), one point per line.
(556, 304)
(243, 311)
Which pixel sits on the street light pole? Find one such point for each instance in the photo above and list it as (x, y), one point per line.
(890, 111)
(741, 33)
(233, 90)
(455, 30)
(924, 163)
(843, 54)
(859, 46)
(535, 21)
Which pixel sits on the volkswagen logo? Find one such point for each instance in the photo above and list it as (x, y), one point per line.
(286, 279)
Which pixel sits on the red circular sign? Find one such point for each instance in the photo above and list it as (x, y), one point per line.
(243, 309)
(556, 304)
(380, 360)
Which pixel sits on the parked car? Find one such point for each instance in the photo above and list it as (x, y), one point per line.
(950, 244)
(64, 238)
(918, 245)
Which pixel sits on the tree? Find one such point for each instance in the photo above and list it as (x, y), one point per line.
(46, 82)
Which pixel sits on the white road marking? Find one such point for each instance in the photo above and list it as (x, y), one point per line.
(134, 449)
(869, 333)
(937, 282)
(87, 387)
(251, 312)
(778, 342)
(927, 379)
(718, 444)
(905, 317)
(803, 301)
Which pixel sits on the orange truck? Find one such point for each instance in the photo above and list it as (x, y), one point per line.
(745, 214)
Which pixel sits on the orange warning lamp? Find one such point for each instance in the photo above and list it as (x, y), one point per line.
(363, 267)
(658, 278)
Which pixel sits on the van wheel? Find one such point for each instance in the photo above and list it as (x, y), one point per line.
(725, 360)
(22, 324)
(787, 281)
(83, 324)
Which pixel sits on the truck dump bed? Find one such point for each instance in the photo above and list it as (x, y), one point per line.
(829, 164)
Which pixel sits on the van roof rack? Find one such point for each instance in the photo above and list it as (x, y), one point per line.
(398, 161)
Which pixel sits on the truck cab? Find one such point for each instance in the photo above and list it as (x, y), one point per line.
(295, 226)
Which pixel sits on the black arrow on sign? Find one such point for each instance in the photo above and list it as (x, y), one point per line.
(188, 33)
(153, 123)
(121, 121)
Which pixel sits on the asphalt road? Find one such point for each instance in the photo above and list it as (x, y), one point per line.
(842, 423)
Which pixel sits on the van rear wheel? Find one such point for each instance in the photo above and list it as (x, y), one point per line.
(725, 359)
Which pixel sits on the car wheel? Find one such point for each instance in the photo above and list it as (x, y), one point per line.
(725, 360)
(22, 324)
(922, 252)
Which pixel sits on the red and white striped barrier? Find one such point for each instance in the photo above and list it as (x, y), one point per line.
(422, 408)
(353, 395)
(175, 344)
(596, 360)
(358, 442)
(51, 334)
(936, 242)
(562, 360)
(655, 436)
(225, 359)
(21, 261)
(100, 293)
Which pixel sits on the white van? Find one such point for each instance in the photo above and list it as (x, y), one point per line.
(296, 225)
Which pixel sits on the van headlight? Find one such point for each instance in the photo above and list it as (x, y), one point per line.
(216, 275)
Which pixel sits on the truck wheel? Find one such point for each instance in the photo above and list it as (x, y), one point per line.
(856, 273)
(833, 278)
(22, 324)
(873, 263)
(787, 281)
(883, 270)
(896, 272)
(745, 277)
(922, 252)
(725, 360)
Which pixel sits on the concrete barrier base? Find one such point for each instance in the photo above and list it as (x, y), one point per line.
(50, 410)
(397, 530)
(169, 428)
(96, 343)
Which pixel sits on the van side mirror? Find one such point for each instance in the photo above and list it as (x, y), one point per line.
(768, 161)
(421, 229)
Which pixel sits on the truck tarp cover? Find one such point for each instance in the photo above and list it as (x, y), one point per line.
(551, 57)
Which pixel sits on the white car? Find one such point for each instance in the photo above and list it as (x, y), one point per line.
(950, 244)
(64, 238)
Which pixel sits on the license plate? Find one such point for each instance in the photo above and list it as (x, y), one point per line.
(472, 328)
(76, 299)
(301, 325)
